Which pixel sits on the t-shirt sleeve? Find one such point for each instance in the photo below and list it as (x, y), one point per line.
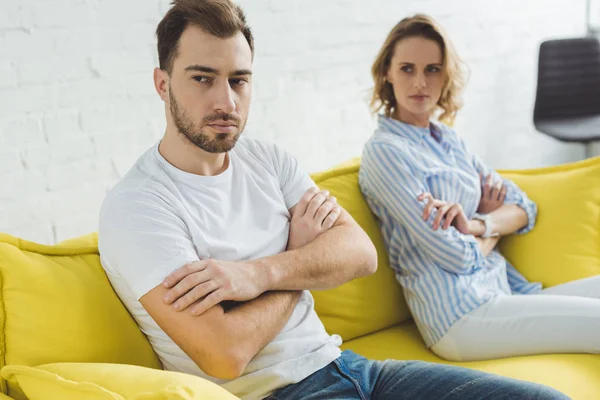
(142, 240)
(293, 181)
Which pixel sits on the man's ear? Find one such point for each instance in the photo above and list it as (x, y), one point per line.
(161, 84)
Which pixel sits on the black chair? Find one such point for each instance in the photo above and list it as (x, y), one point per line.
(567, 103)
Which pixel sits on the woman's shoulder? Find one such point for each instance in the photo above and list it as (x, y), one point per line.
(384, 138)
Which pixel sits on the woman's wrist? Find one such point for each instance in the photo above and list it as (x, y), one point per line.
(476, 227)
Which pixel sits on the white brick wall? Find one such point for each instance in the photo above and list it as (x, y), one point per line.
(77, 105)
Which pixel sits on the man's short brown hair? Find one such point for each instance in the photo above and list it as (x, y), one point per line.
(221, 18)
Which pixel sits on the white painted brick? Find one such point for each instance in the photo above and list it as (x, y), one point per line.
(72, 149)
(20, 131)
(74, 202)
(75, 174)
(8, 75)
(76, 227)
(37, 231)
(26, 99)
(136, 35)
(60, 125)
(10, 161)
(111, 64)
(111, 143)
(88, 41)
(10, 17)
(111, 12)
(98, 119)
(25, 44)
(21, 185)
(89, 92)
(52, 69)
(36, 157)
(71, 14)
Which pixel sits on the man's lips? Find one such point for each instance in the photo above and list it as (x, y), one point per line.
(223, 127)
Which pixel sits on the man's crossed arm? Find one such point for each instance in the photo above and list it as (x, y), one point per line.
(326, 248)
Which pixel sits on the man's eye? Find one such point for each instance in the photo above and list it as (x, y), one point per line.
(238, 82)
(202, 79)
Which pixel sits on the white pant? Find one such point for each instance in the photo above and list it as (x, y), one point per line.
(561, 319)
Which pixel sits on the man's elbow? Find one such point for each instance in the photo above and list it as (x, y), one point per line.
(227, 364)
(370, 258)
(222, 363)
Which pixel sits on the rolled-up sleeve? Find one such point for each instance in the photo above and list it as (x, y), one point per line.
(387, 181)
(514, 194)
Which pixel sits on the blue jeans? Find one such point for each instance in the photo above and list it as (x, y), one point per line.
(354, 377)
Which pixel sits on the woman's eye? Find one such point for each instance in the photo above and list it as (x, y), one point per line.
(406, 68)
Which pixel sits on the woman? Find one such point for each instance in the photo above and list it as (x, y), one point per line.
(442, 212)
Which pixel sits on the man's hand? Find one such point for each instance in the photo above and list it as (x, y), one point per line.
(452, 212)
(203, 284)
(315, 213)
(492, 196)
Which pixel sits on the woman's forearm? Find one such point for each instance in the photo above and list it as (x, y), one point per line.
(506, 220)
(487, 244)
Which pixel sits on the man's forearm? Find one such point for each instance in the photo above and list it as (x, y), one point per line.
(254, 324)
(335, 257)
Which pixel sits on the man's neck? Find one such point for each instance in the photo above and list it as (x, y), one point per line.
(184, 155)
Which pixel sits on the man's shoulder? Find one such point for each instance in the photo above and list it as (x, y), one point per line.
(145, 184)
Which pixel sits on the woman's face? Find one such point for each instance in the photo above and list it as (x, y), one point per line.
(417, 77)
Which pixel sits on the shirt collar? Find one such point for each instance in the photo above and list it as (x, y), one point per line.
(411, 132)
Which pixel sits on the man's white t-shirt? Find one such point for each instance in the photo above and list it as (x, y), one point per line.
(159, 218)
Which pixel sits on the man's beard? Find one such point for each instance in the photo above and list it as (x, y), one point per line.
(223, 142)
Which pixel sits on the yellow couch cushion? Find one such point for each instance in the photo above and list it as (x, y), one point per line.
(367, 304)
(57, 305)
(576, 375)
(91, 381)
(565, 243)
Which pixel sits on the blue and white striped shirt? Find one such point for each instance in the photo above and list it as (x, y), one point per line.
(443, 272)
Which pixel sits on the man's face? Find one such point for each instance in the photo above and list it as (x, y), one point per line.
(209, 89)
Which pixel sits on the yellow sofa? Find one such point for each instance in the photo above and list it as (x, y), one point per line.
(65, 335)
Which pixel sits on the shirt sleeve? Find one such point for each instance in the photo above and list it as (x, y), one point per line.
(386, 179)
(141, 239)
(514, 194)
(518, 284)
(293, 181)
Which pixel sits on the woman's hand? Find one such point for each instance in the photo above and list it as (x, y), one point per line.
(492, 196)
(452, 213)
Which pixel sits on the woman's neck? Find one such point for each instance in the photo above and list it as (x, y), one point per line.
(420, 120)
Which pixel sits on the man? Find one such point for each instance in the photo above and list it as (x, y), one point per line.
(213, 240)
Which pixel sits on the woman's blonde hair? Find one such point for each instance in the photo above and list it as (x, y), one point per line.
(452, 66)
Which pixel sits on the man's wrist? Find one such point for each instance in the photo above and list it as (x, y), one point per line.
(264, 274)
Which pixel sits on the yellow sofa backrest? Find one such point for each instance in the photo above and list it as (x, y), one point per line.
(57, 305)
(564, 245)
(367, 304)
